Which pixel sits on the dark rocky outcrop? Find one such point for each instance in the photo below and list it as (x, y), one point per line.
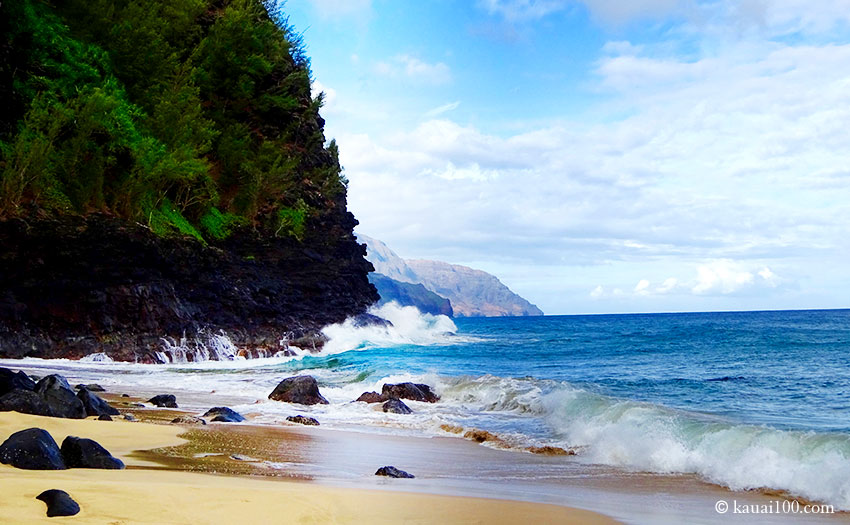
(59, 503)
(224, 415)
(188, 420)
(94, 405)
(164, 400)
(412, 391)
(370, 397)
(76, 285)
(93, 387)
(303, 390)
(87, 453)
(25, 402)
(394, 406)
(14, 380)
(393, 472)
(303, 420)
(32, 449)
(56, 391)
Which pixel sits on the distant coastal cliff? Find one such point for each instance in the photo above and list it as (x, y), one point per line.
(472, 293)
(164, 176)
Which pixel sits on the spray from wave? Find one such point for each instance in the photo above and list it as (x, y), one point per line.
(409, 327)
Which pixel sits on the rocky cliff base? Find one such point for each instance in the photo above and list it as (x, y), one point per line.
(75, 286)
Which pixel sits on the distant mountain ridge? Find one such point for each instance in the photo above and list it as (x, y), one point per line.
(473, 293)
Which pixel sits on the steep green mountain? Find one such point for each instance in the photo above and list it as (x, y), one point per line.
(184, 131)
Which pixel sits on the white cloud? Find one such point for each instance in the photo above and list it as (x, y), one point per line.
(414, 69)
(439, 110)
(729, 277)
(642, 287)
(330, 101)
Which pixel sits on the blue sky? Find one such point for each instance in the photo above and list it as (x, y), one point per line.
(599, 155)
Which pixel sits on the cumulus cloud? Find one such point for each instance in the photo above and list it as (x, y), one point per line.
(729, 277)
(414, 69)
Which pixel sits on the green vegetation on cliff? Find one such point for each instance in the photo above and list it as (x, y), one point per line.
(193, 117)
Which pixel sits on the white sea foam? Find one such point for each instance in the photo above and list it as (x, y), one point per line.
(409, 326)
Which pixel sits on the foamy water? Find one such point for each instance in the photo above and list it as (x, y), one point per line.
(641, 394)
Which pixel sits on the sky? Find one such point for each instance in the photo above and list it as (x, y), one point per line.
(599, 156)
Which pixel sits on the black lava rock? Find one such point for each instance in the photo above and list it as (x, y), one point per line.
(93, 387)
(164, 400)
(224, 415)
(59, 503)
(11, 380)
(303, 420)
(104, 417)
(412, 391)
(94, 405)
(58, 394)
(87, 453)
(303, 390)
(393, 472)
(370, 397)
(32, 449)
(395, 406)
(25, 402)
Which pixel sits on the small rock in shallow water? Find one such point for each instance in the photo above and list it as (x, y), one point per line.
(130, 417)
(164, 400)
(370, 397)
(303, 420)
(59, 503)
(549, 450)
(188, 420)
(303, 390)
(393, 472)
(125, 395)
(224, 415)
(412, 391)
(104, 417)
(93, 387)
(32, 449)
(394, 406)
(87, 453)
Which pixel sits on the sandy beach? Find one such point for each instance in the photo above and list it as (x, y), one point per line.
(145, 494)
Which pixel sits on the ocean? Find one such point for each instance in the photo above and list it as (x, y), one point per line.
(744, 400)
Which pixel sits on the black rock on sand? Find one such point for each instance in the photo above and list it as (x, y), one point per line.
(59, 503)
(224, 415)
(393, 472)
(87, 453)
(32, 449)
(303, 420)
(164, 400)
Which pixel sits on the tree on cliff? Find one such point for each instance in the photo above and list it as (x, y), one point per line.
(193, 117)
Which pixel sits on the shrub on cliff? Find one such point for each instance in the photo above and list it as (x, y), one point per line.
(194, 117)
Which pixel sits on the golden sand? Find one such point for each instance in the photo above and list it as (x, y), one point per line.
(143, 495)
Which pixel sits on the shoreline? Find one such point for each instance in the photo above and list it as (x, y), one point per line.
(446, 465)
(144, 494)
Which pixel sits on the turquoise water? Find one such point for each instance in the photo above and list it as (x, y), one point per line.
(745, 400)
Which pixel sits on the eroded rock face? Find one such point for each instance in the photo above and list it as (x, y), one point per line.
(412, 391)
(32, 449)
(75, 286)
(303, 390)
(59, 503)
(87, 453)
(393, 472)
(224, 415)
(56, 391)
